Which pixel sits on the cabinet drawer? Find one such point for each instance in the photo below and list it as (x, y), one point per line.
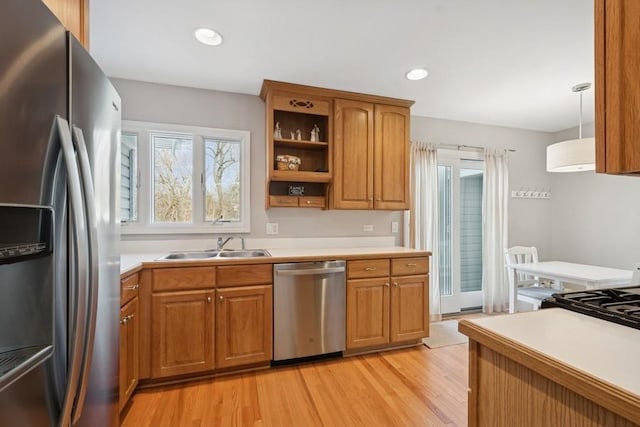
(241, 275)
(409, 266)
(312, 202)
(129, 288)
(367, 268)
(283, 201)
(172, 279)
(301, 104)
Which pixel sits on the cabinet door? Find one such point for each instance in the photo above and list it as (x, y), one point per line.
(182, 333)
(129, 344)
(243, 326)
(409, 308)
(391, 171)
(367, 312)
(353, 155)
(617, 86)
(74, 15)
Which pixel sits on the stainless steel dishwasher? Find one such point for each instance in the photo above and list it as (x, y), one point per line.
(309, 309)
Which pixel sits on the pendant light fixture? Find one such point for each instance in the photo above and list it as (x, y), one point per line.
(575, 155)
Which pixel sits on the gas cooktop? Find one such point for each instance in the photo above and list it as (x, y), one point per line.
(618, 305)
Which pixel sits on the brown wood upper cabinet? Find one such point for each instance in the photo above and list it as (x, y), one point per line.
(74, 15)
(371, 160)
(359, 161)
(617, 86)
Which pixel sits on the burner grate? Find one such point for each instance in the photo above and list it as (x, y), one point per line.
(621, 305)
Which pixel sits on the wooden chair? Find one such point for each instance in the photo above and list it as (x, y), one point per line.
(528, 288)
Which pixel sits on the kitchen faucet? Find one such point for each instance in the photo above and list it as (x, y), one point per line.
(222, 242)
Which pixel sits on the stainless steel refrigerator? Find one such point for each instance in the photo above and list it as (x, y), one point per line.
(59, 233)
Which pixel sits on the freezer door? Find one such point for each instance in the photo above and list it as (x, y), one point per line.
(95, 118)
(33, 90)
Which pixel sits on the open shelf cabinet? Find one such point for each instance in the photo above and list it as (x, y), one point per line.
(296, 115)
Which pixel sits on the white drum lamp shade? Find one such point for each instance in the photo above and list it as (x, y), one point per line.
(575, 155)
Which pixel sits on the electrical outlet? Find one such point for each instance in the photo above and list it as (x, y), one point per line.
(272, 228)
(367, 227)
(394, 226)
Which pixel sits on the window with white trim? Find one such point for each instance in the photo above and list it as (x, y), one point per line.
(184, 179)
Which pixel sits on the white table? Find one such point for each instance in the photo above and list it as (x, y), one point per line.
(587, 276)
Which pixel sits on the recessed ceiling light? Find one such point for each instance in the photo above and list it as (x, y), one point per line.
(208, 36)
(416, 74)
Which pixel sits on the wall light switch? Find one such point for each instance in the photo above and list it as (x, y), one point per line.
(394, 226)
(367, 227)
(272, 228)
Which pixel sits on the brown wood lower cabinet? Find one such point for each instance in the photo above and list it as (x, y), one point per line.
(387, 301)
(182, 332)
(129, 343)
(367, 312)
(243, 326)
(129, 338)
(409, 308)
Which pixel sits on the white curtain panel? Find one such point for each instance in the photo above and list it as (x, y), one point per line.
(495, 289)
(423, 216)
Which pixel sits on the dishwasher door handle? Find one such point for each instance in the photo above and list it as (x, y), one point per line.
(310, 271)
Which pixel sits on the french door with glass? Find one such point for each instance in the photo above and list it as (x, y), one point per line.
(460, 182)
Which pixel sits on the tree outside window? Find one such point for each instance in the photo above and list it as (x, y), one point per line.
(172, 179)
(222, 180)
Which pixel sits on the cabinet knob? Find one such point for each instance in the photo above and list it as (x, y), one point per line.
(131, 316)
(132, 287)
(209, 299)
(386, 284)
(308, 202)
(395, 284)
(221, 298)
(124, 321)
(370, 269)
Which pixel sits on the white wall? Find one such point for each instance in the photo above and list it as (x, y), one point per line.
(596, 217)
(529, 219)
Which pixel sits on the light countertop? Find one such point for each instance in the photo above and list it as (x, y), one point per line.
(130, 262)
(601, 349)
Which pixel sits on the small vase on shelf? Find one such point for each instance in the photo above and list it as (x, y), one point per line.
(277, 133)
(315, 134)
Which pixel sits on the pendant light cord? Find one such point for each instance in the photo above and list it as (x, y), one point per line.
(580, 120)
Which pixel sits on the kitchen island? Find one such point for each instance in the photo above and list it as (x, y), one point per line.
(552, 367)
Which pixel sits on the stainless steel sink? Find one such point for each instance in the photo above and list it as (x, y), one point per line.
(249, 253)
(191, 255)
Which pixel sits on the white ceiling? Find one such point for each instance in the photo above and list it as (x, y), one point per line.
(500, 62)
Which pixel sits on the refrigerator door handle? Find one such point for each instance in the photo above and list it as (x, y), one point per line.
(92, 264)
(78, 319)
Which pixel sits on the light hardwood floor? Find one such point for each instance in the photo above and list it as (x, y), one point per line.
(415, 386)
